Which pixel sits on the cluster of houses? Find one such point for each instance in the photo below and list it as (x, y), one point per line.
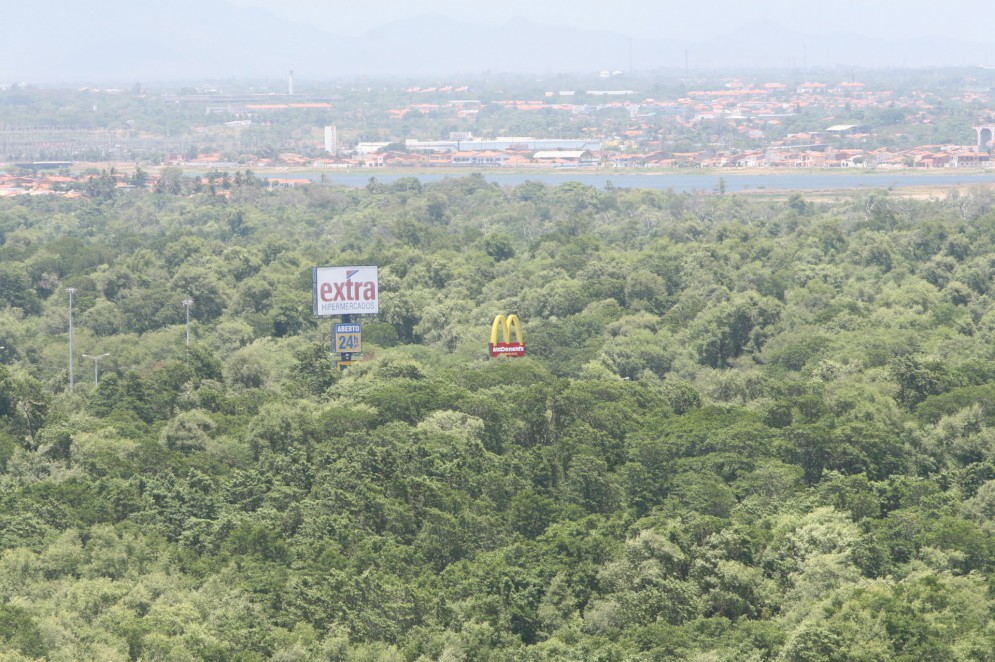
(12, 184)
(735, 123)
(468, 158)
(34, 182)
(813, 156)
(802, 150)
(740, 124)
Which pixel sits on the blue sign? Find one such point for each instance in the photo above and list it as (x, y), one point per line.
(348, 338)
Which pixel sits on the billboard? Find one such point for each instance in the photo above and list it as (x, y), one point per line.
(508, 347)
(346, 290)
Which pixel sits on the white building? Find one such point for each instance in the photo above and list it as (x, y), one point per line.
(370, 147)
(331, 139)
(503, 143)
(565, 156)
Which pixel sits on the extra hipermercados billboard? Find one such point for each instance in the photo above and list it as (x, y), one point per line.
(346, 291)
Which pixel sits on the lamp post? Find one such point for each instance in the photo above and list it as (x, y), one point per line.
(71, 291)
(186, 304)
(96, 360)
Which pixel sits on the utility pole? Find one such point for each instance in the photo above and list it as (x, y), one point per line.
(96, 360)
(71, 291)
(187, 303)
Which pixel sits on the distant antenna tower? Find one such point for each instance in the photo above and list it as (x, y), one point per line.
(290, 83)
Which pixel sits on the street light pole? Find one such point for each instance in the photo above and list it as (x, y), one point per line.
(71, 290)
(96, 360)
(186, 304)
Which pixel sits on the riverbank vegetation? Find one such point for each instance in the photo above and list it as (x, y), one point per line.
(744, 430)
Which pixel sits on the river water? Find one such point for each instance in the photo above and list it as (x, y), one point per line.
(685, 183)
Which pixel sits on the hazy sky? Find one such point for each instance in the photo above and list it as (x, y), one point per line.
(967, 19)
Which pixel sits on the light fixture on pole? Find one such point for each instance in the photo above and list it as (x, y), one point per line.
(96, 360)
(186, 304)
(71, 291)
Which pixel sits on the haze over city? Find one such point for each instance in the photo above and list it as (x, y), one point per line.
(115, 40)
(891, 19)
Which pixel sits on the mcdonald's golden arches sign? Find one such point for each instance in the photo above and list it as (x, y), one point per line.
(511, 327)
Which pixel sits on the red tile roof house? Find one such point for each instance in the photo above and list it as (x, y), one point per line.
(565, 157)
(404, 160)
(437, 159)
(290, 158)
(53, 181)
(932, 160)
(746, 160)
(627, 160)
(970, 160)
(286, 183)
(374, 160)
(519, 161)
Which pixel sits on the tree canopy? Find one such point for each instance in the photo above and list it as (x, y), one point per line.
(745, 429)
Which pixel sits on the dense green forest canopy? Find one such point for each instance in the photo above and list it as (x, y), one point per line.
(745, 429)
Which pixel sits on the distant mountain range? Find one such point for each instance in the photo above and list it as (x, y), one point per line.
(122, 41)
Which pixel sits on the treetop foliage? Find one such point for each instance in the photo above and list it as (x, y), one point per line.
(745, 429)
